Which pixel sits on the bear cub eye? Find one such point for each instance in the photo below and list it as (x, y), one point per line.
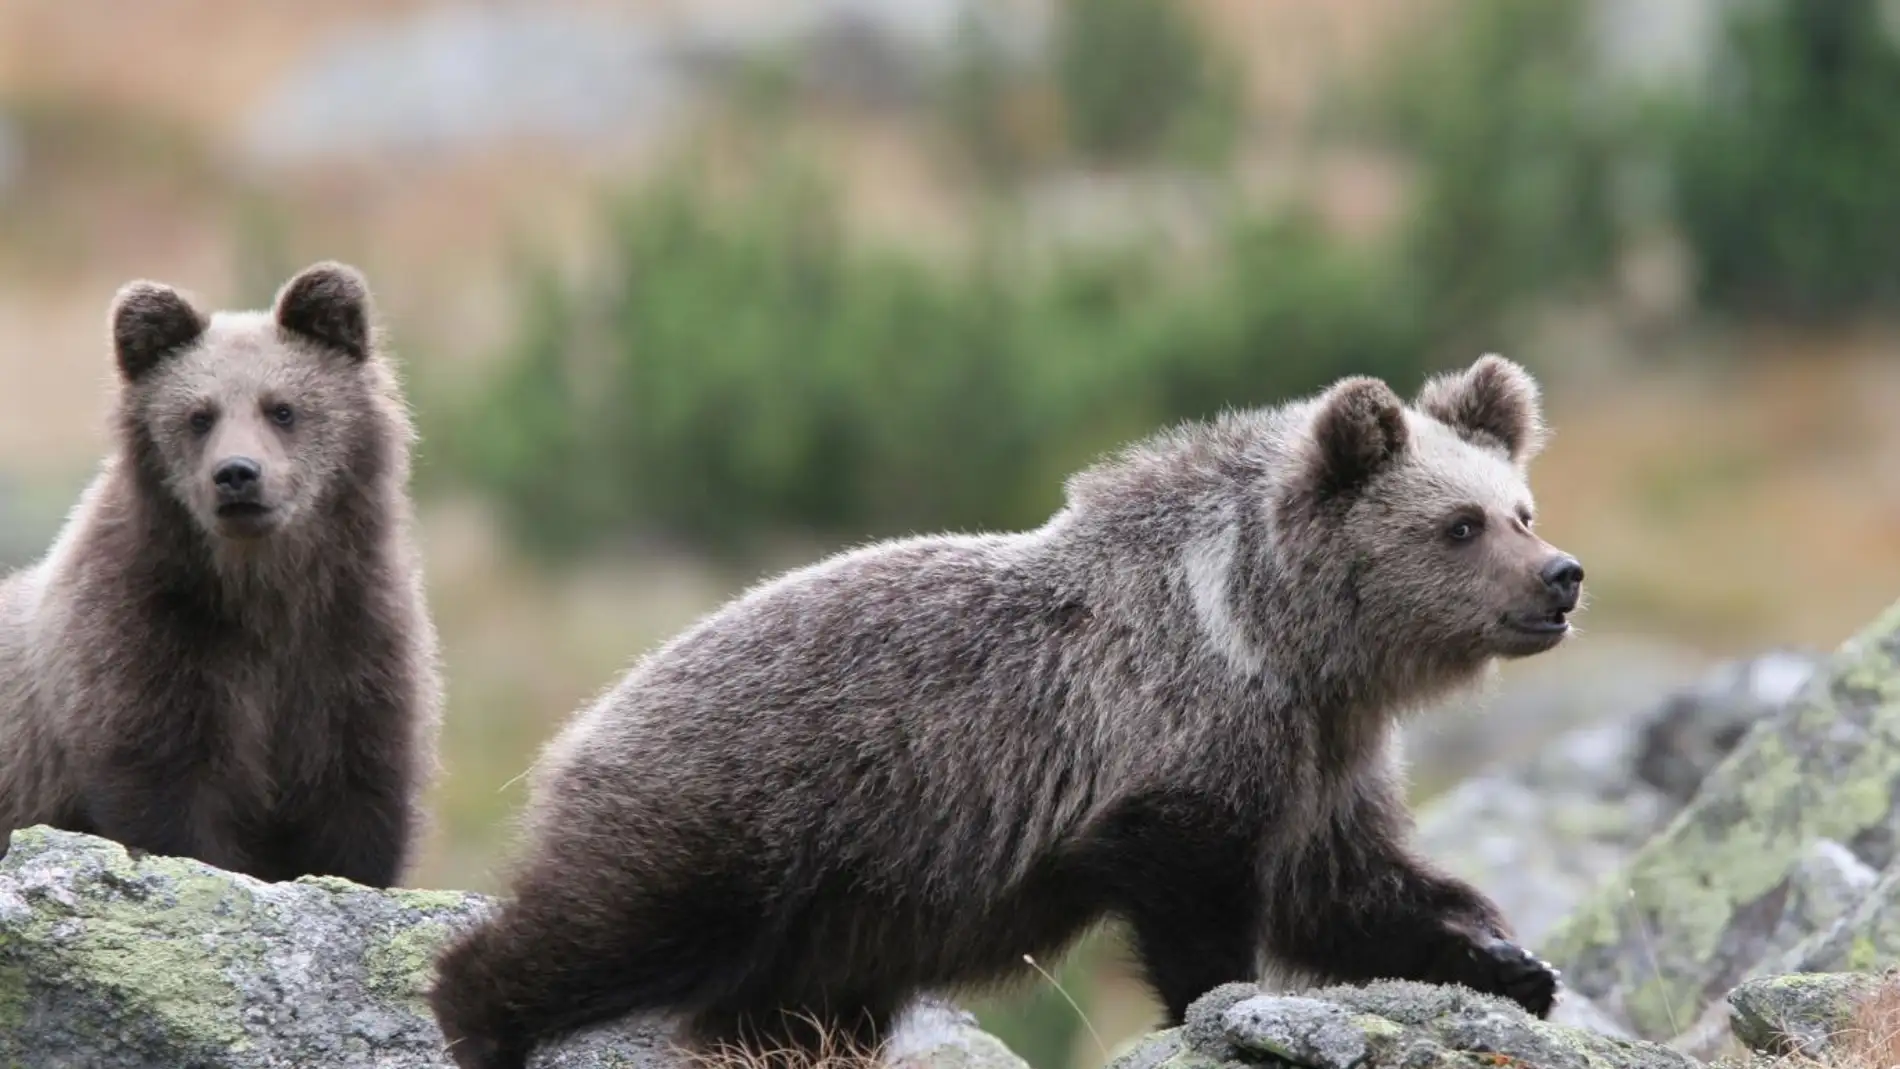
(201, 422)
(282, 415)
(1463, 529)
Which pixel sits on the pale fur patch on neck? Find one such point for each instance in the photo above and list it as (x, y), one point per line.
(1208, 567)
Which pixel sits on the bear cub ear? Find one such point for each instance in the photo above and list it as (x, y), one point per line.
(1493, 399)
(1360, 430)
(328, 303)
(151, 321)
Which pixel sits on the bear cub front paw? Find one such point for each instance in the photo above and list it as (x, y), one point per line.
(1493, 965)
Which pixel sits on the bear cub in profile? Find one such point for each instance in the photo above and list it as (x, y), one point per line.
(905, 767)
(226, 654)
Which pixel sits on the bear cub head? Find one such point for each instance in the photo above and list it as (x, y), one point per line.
(247, 418)
(1430, 503)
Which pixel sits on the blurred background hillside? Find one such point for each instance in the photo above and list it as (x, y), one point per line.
(688, 291)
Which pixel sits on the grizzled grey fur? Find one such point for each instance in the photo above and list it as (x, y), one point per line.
(905, 767)
(226, 654)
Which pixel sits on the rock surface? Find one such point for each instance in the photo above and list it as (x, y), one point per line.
(1771, 858)
(1801, 1013)
(1385, 1025)
(1864, 935)
(1695, 729)
(1304, 1031)
(1529, 705)
(160, 963)
(1540, 833)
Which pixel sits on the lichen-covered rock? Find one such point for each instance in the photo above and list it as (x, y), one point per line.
(1386, 1025)
(1699, 906)
(1304, 1031)
(1864, 937)
(1828, 909)
(1801, 1013)
(1695, 729)
(1540, 834)
(1532, 704)
(160, 963)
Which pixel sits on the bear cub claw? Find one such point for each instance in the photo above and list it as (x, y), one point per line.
(1502, 967)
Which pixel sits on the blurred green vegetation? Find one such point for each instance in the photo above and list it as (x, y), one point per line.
(741, 367)
(1784, 171)
(1516, 154)
(1127, 81)
(1141, 77)
(1039, 1021)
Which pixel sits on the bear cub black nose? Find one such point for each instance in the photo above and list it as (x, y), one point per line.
(1564, 578)
(236, 479)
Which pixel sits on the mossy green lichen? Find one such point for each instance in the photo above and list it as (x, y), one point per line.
(1662, 930)
(14, 1000)
(1802, 983)
(398, 964)
(334, 884)
(173, 981)
(104, 944)
(431, 901)
(215, 897)
(29, 840)
(1375, 1027)
(1382, 1035)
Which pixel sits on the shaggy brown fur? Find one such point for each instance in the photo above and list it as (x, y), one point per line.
(906, 767)
(226, 654)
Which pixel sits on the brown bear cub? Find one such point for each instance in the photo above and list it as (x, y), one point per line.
(226, 654)
(904, 768)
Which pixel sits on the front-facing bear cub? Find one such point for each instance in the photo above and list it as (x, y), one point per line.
(908, 766)
(226, 654)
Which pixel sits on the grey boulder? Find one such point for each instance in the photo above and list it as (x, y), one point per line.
(1539, 833)
(1385, 1025)
(1775, 847)
(1800, 1014)
(112, 963)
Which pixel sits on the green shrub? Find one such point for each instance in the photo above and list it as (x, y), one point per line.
(739, 368)
(1126, 82)
(1516, 153)
(1139, 77)
(981, 100)
(1780, 167)
(1784, 171)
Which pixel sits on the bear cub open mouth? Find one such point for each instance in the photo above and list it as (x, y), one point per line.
(1551, 622)
(242, 509)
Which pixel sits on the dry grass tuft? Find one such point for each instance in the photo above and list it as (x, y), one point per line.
(834, 1050)
(1872, 1041)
